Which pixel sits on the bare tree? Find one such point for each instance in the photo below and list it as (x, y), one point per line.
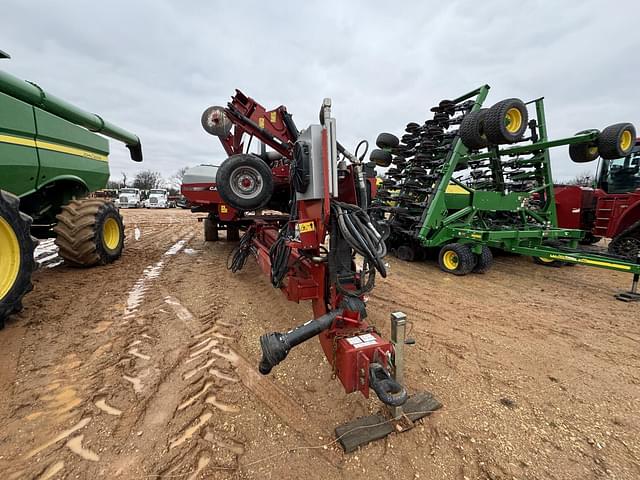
(124, 180)
(176, 178)
(148, 179)
(584, 179)
(113, 185)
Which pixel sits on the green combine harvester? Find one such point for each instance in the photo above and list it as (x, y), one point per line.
(51, 159)
(473, 178)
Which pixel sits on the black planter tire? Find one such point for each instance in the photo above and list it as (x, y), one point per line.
(244, 182)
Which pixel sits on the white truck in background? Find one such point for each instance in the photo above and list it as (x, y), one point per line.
(158, 198)
(129, 198)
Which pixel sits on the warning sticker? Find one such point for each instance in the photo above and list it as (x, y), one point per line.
(274, 117)
(362, 341)
(223, 209)
(261, 122)
(307, 227)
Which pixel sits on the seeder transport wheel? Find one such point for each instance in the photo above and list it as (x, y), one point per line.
(584, 152)
(16, 255)
(616, 141)
(484, 260)
(457, 258)
(506, 121)
(89, 232)
(548, 262)
(472, 130)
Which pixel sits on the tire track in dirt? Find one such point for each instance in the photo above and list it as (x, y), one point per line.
(62, 384)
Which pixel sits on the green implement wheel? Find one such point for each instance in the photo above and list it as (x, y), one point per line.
(457, 258)
(16, 255)
(506, 121)
(584, 152)
(485, 260)
(89, 232)
(616, 141)
(472, 130)
(548, 262)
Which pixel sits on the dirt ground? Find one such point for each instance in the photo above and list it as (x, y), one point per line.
(147, 369)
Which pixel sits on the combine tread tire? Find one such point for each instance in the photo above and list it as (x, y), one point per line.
(498, 129)
(472, 130)
(457, 259)
(611, 142)
(584, 152)
(20, 225)
(80, 232)
(485, 260)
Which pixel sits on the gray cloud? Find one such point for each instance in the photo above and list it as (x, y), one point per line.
(153, 66)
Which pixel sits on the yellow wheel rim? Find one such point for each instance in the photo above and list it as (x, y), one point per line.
(111, 233)
(593, 151)
(513, 120)
(450, 260)
(626, 141)
(9, 258)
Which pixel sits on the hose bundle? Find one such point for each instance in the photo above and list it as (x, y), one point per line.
(353, 224)
(238, 256)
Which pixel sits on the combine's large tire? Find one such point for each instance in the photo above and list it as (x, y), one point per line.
(16, 255)
(244, 182)
(89, 232)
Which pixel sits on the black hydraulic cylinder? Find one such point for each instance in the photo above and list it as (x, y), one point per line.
(276, 346)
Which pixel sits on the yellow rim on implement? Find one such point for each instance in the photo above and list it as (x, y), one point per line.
(111, 233)
(513, 120)
(626, 141)
(450, 260)
(546, 260)
(9, 258)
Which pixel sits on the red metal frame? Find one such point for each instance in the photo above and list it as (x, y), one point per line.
(306, 279)
(594, 210)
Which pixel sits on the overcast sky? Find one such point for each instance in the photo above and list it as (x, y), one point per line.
(153, 66)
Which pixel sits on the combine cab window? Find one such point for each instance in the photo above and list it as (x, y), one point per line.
(623, 174)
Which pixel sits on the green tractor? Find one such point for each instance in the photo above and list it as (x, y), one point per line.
(51, 159)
